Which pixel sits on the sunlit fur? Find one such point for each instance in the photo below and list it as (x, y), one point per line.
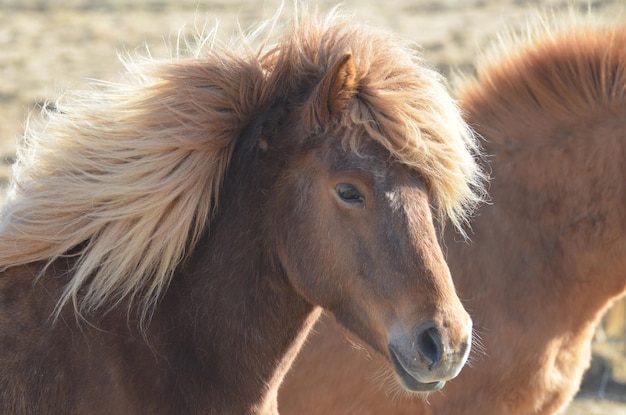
(126, 175)
(565, 65)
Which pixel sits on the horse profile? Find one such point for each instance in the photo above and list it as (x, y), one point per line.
(547, 257)
(168, 241)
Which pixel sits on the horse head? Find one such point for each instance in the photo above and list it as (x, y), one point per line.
(361, 240)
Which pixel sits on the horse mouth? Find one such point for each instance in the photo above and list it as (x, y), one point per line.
(408, 381)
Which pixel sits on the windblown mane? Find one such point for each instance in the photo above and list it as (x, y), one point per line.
(125, 176)
(572, 67)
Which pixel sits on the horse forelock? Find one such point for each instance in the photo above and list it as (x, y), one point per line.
(130, 172)
(401, 103)
(572, 66)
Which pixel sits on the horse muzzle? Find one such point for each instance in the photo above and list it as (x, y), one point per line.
(425, 361)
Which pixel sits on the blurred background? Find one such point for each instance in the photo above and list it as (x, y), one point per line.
(47, 46)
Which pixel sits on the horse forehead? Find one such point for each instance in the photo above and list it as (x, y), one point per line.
(407, 195)
(407, 189)
(389, 176)
(364, 156)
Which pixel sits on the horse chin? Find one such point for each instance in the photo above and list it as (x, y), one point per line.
(408, 381)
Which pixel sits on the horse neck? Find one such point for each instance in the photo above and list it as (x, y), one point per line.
(551, 249)
(248, 321)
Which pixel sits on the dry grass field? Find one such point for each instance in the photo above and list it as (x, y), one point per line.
(47, 46)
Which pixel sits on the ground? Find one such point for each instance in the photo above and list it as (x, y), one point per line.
(49, 46)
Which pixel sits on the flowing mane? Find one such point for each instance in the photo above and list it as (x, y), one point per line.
(125, 177)
(581, 58)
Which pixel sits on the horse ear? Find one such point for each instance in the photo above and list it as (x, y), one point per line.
(332, 94)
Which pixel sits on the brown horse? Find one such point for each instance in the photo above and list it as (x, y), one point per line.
(547, 257)
(127, 289)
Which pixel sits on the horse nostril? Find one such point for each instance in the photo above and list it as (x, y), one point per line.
(429, 344)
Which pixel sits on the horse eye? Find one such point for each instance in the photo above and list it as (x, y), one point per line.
(349, 194)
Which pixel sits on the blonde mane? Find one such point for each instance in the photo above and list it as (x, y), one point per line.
(571, 66)
(125, 176)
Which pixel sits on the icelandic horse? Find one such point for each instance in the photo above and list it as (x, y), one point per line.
(547, 256)
(168, 241)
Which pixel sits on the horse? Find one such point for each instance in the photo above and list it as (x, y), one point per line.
(547, 256)
(168, 240)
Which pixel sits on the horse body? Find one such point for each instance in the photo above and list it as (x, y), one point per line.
(73, 367)
(321, 204)
(547, 257)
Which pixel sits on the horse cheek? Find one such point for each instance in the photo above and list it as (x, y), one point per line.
(314, 253)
